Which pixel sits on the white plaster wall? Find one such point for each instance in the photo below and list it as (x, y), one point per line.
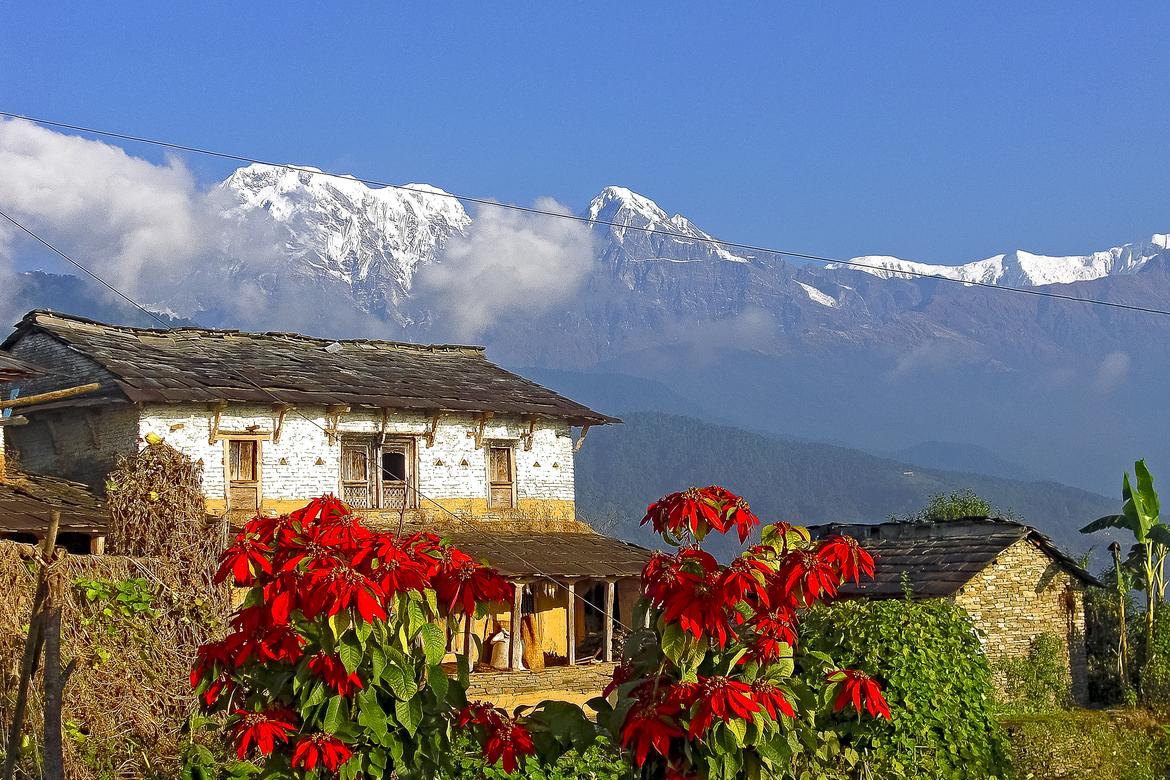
(454, 468)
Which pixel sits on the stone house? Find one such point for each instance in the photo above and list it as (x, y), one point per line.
(1011, 579)
(422, 435)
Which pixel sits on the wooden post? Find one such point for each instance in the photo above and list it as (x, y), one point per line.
(53, 682)
(571, 622)
(468, 621)
(610, 587)
(44, 398)
(515, 649)
(32, 649)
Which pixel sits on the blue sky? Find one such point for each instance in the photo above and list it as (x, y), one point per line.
(938, 132)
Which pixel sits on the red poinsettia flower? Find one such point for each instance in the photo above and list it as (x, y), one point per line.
(278, 644)
(806, 573)
(850, 558)
(244, 560)
(341, 586)
(508, 742)
(262, 729)
(478, 713)
(772, 699)
(282, 595)
(345, 531)
(718, 697)
(266, 528)
(860, 689)
(773, 634)
(212, 672)
(690, 512)
(324, 749)
(320, 510)
(746, 579)
(734, 512)
(332, 671)
(622, 674)
(698, 599)
(652, 722)
(396, 569)
(461, 583)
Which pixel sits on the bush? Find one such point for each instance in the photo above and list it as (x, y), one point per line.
(1039, 681)
(601, 761)
(1090, 745)
(937, 682)
(1155, 672)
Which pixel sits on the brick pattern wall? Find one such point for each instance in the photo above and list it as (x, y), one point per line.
(454, 468)
(576, 684)
(1021, 595)
(81, 444)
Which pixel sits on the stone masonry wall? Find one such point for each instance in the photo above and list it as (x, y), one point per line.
(575, 684)
(304, 463)
(81, 444)
(1021, 595)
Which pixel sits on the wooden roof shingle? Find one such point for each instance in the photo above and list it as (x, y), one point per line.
(556, 554)
(12, 369)
(207, 365)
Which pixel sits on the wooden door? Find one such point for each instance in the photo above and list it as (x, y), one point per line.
(243, 474)
(500, 478)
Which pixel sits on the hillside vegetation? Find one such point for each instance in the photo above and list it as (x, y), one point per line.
(622, 468)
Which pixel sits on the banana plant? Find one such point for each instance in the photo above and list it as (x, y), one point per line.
(1141, 516)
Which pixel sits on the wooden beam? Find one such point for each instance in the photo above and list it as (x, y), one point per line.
(581, 439)
(610, 587)
(430, 433)
(281, 411)
(54, 395)
(515, 646)
(571, 621)
(216, 410)
(477, 433)
(528, 436)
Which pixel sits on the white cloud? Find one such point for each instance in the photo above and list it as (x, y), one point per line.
(509, 261)
(1112, 372)
(137, 224)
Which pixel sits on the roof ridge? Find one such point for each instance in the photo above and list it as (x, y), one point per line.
(34, 316)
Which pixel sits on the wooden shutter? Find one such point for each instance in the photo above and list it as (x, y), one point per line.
(355, 474)
(243, 475)
(500, 482)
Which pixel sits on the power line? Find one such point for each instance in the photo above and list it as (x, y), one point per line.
(536, 571)
(579, 218)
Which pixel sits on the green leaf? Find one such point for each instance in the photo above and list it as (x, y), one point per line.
(438, 682)
(377, 661)
(351, 653)
(1101, 523)
(674, 642)
(400, 680)
(334, 715)
(434, 643)
(415, 619)
(409, 714)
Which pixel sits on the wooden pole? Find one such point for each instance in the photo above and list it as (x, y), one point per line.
(54, 395)
(32, 649)
(53, 682)
(607, 654)
(1123, 639)
(571, 622)
(515, 650)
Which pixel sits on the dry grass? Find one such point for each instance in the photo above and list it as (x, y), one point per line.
(128, 698)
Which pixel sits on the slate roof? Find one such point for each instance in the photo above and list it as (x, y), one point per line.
(208, 365)
(567, 554)
(12, 369)
(939, 558)
(26, 501)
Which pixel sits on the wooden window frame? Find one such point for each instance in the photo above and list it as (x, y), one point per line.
(375, 447)
(510, 446)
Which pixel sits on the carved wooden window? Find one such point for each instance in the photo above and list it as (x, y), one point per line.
(377, 475)
(501, 481)
(243, 472)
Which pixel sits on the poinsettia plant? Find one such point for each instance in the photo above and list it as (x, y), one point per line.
(716, 685)
(334, 661)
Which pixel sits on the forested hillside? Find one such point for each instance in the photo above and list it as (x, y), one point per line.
(622, 468)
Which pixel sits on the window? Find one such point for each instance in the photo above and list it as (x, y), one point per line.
(501, 485)
(377, 476)
(243, 473)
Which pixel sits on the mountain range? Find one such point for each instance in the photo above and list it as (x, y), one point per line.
(873, 358)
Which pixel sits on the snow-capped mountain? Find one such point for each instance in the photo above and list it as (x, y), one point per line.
(1023, 269)
(370, 240)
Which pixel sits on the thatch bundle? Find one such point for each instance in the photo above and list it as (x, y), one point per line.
(130, 625)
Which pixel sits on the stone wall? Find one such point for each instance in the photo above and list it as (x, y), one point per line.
(575, 684)
(81, 443)
(1023, 594)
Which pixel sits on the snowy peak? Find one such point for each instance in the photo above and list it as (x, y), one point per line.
(336, 227)
(1020, 268)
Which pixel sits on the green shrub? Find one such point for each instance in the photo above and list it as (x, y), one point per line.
(1039, 681)
(600, 762)
(1155, 672)
(1090, 745)
(936, 680)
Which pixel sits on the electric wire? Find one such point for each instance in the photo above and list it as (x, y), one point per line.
(583, 219)
(276, 399)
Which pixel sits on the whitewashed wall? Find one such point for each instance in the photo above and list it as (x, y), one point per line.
(454, 468)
